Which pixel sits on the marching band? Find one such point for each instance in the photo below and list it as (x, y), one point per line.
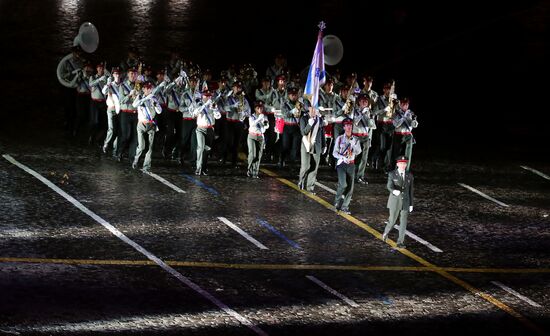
(199, 118)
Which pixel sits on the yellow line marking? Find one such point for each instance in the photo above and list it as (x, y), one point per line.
(415, 257)
(79, 261)
(317, 267)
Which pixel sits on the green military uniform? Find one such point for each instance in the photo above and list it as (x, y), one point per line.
(400, 200)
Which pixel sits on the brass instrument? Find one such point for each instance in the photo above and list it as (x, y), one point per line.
(241, 101)
(298, 106)
(137, 86)
(241, 107)
(391, 101)
(348, 106)
(248, 73)
(414, 122)
(88, 40)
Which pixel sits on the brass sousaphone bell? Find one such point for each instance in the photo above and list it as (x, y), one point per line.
(333, 49)
(87, 38)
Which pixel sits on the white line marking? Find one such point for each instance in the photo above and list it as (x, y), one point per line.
(420, 240)
(408, 233)
(242, 233)
(332, 191)
(516, 294)
(162, 180)
(536, 172)
(332, 291)
(140, 249)
(483, 195)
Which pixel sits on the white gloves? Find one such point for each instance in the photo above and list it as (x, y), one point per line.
(140, 78)
(387, 109)
(132, 92)
(109, 81)
(396, 192)
(411, 208)
(393, 96)
(311, 121)
(324, 150)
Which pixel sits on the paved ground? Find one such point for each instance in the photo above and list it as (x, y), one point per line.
(103, 249)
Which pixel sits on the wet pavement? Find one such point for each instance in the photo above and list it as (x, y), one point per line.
(234, 256)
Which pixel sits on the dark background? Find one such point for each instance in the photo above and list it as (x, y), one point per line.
(476, 72)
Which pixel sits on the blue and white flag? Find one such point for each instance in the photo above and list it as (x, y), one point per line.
(316, 76)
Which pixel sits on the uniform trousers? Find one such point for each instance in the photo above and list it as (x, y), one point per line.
(205, 140)
(402, 145)
(346, 180)
(188, 140)
(98, 122)
(255, 150)
(128, 135)
(395, 212)
(112, 130)
(144, 130)
(270, 137)
(309, 165)
(172, 136)
(233, 133)
(363, 156)
(291, 142)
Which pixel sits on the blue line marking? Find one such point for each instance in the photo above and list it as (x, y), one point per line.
(277, 233)
(386, 300)
(202, 185)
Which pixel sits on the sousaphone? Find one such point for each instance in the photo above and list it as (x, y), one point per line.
(87, 39)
